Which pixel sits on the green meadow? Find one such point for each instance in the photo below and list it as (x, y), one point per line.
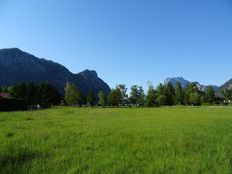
(117, 140)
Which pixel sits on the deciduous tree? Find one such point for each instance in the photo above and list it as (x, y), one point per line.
(114, 97)
(169, 94)
(102, 99)
(151, 98)
(210, 94)
(72, 95)
(179, 99)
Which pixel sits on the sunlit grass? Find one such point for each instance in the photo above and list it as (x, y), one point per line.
(136, 140)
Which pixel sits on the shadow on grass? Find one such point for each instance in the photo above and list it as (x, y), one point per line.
(9, 134)
(28, 119)
(13, 160)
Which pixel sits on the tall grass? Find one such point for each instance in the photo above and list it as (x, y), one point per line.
(84, 140)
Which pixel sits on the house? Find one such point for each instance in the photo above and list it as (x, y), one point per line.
(4, 95)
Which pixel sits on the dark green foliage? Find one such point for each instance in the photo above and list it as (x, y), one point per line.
(12, 104)
(26, 95)
(137, 96)
(27, 92)
(31, 93)
(151, 99)
(179, 99)
(102, 99)
(48, 95)
(169, 94)
(44, 93)
(83, 98)
(123, 90)
(134, 95)
(19, 91)
(142, 97)
(192, 94)
(72, 94)
(160, 95)
(91, 99)
(0, 88)
(210, 94)
(165, 95)
(5, 89)
(228, 94)
(115, 97)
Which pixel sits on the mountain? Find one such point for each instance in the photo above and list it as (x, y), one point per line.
(184, 83)
(18, 66)
(227, 85)
(89, 80)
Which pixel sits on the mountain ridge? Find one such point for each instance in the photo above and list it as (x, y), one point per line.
(17, 66)
(227, 85)
(184, 83)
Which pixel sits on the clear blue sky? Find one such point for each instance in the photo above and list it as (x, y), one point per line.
(125, 41)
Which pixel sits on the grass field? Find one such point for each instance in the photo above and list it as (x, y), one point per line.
(85, 140)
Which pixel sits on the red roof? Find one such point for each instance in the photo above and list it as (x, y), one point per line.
(4, 95)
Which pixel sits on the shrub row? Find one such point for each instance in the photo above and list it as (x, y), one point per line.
(12, 104)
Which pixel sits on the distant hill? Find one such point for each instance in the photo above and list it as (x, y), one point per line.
(184, 83)
(18, 66)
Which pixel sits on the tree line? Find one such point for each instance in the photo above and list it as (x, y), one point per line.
(46, 95)
(163, 95)
(33, 94)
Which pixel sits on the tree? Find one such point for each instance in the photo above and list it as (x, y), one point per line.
(210, 94)
(31, 92)
(48, 95)
(91, 98)
(72, 95)
(194, 98)
(151, 100)
(160, 95)
(0, 88)
(227, 93)
(114, 97)
(6, 89)
(102, 99)
(141, 96)
(134, 95)
(137, 96)
(124, 95)
(169, 94)
(179, 99)
(83, 98)
(192, 94)
(19, 91)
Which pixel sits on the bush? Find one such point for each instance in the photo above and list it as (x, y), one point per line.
(206, 104)
(12, 104)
